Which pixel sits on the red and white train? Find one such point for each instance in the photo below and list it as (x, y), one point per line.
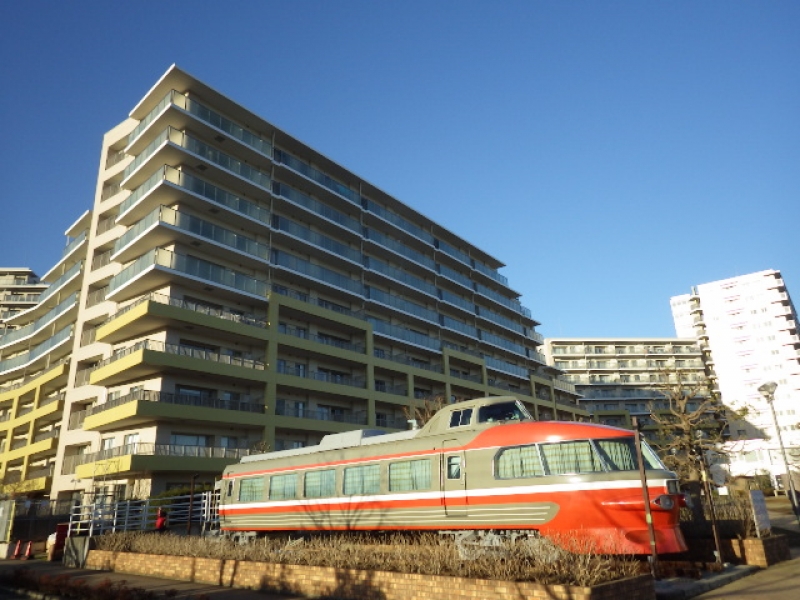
(481, 468)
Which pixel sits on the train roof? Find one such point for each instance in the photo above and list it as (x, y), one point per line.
(439, 423)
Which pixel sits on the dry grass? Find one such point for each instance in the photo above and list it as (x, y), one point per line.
(542, 561)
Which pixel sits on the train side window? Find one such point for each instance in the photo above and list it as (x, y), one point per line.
(454, 467)
(410, 475)
(283, 487)
(365, 479)
(251, 489)
(320, 484)
(571, 457)
(519, 462)
(460, 417)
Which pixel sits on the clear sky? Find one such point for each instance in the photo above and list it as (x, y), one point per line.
(611, 154)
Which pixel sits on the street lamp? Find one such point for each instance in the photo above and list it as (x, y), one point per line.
(768, 391)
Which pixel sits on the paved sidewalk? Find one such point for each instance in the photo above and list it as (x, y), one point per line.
(184, 590)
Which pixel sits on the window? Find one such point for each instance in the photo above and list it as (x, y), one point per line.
(454, 467)
(251, 489)
(570, 457)
(504, 411)
(130, 440)
(283, 487)
(519, 462)
(362, 480)
(188, 439)
(460, 417)
(410, 475)
(320, 484)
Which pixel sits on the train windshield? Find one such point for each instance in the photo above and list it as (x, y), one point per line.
(619, 454)
(503, 411)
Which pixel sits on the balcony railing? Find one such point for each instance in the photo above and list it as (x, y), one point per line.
(59, 283)
(183, 350)
(198, 186)
(27, 358)
(300, 370)
(321, 339)
(301, 412)
(179, 399)
(149, 449)
(28, 330)
(189, 265)
(220, 313)
(194, 225)
(316, 175)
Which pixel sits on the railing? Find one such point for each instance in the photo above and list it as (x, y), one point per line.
(183, 350)
(179, 399)
(373, 264)
(197, 186)
(194, 225)
(192, 513)
(404, 305)
(315, 206)
(399, 248)
(46, 435)
(300, 412)
(221, 313)
(16, 334)
(317, 239)
(150, 449)
(300, 370)
(189, 265)
(316, 175)
(58, 283)
(72, 244)
(398, 221)
(29, 357)
(321, 339)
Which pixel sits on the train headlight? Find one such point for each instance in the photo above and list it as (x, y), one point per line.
(664, 501)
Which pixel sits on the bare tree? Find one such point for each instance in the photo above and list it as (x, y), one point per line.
(424, 411)
(694, 421)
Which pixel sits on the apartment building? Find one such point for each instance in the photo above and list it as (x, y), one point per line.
(19, 291)
(35, 345)
(747, 327)
(621, 378)
(239, 289)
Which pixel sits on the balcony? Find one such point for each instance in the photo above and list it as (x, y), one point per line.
(34, 332)
(292, 409)
(40, 356)
(300, 370)
(168, 184)
(150, 357)
(154, 311)
(154, 458)
(163, 265)
(143, 406)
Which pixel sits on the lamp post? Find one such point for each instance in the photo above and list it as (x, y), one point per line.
(768, 391)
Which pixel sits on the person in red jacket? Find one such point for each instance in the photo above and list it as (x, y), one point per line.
(161, 520)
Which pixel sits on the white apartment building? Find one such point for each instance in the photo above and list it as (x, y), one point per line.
(747, 328)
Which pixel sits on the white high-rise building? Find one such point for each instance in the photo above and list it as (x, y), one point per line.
(747, 328)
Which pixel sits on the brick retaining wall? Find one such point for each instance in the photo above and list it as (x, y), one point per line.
(358, 585)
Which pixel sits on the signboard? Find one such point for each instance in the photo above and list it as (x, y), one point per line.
(760, 514)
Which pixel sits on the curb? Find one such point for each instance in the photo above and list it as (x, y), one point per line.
(683, 589)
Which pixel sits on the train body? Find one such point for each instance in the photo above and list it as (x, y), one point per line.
(478, 466)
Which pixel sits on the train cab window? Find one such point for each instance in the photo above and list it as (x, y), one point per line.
(251, 489)
(283, 487)
(460, 417)
(571, 457)
(229, 488)
(360, 480)
(454, 467)
(519, 462)
(503, 411)
(619, 454)
(410, 475)
(320, 484)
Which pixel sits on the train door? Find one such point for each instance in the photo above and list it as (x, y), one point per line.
(454, 480)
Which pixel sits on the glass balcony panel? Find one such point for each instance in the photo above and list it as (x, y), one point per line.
(398, 221)
(317, 239)
(400, 275)
(295, 197)
(316, 175)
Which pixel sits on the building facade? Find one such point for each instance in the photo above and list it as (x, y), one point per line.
(239, 290)
(621, 378)
(19, 290)
(747, 327)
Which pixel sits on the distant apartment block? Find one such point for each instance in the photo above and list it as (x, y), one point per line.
(19, 290)
(232, 288)
(620, 378)
(747, 327)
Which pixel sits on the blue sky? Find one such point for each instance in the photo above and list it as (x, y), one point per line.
(612, 154)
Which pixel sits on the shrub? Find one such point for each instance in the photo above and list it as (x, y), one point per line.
(567, 561)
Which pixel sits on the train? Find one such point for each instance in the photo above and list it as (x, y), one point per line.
(481, 469)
